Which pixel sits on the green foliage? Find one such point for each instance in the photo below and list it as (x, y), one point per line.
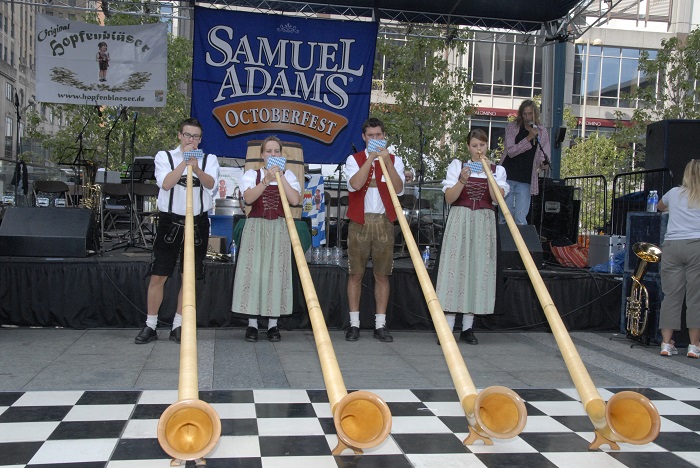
(156, 128)
(427, 96)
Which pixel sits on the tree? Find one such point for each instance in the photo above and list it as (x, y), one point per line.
(429, 98)
(155, 127)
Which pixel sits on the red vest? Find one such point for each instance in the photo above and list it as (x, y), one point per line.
(356, 200)
(475, 194)
(269, 203)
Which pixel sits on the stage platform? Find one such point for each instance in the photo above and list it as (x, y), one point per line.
(109, 290)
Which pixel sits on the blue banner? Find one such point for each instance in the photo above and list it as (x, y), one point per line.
(305, 80)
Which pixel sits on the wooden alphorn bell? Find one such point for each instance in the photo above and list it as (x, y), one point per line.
(362, 419)
(189, 428)
(495, 412)
(629, 416)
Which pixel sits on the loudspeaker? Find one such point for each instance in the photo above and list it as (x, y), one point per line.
(46, 232)
(560, 211)
(671, 144)
(508, 255)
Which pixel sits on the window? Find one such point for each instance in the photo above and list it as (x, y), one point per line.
(9, 92)
(8, 137)
(606, 75)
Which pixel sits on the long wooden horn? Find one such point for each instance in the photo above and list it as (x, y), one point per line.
(189, 428)
(362, 419)
(629, 416)
(496, 411)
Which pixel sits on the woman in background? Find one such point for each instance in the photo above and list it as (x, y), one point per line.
(680, 261)
(466, 282)
(263, 282)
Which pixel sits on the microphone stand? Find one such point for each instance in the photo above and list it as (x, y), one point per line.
(17, 165)
(544, 184)
(119, 116)
(420, 183)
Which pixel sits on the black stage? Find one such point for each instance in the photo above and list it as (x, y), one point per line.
(110, 291)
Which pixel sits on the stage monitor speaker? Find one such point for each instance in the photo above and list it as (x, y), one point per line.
(671, 144)
(508, 255)
(46, 232)
(559, 213)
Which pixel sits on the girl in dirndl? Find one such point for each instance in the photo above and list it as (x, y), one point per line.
(466, 282)
(263, 283)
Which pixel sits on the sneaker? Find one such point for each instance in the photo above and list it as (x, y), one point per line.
(146, 335)
(383, 335)
(693, 351)
(251, 334)
(468, 337)
(667, 349)
(273, 334)
(352, 334)
(176, 334)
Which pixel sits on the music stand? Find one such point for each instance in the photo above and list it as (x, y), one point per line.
(142, 168)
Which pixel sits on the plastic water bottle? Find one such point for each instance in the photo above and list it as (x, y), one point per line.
(426, 256)
(652, 201)
(611, 263)
(232, 251)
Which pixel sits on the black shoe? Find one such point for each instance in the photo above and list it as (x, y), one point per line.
(273, 334)
(146, 335)
(251, 334)
(176, 334)
(468, 337)
(352, 334)
(383, 335)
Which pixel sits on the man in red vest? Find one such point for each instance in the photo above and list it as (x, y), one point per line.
(371, 229)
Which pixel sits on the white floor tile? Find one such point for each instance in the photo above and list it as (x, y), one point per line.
(156, 397)
(396, 395)
(673, 407)
(141, 464)
(236, 447)
(326, 461)
(669, 426)
(48, 398)
(388, 447)
(544, 424)
(583, 460)
(650, 447)
(281, 396)
(99, 413)
(514, 445)
(684, 394)
(560, 408)
(417, 425)
(235, 410)
(289, 426)
(691, 457)
(74, 451)
(445, 408)
(27, 431)
(323, 410)
(140, 429)
(450, 460)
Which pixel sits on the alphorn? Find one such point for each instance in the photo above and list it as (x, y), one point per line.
(362, 419)
(629, 416)
(189, 428)
(495, 412)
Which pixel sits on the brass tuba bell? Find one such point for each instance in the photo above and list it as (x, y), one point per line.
(637, 310)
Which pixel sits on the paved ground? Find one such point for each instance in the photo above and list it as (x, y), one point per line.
(61, 359)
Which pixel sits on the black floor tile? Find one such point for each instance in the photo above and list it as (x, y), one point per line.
(34, 413)
(650, 459)
(284, 410)
(575, 423)
(227, 396)
(151, 411)
(318, 396)
(109, 398)
(457, 424)
(375, 461)
(428, 395)
(679, 441)
(691, 422)
(8, 398)
(239, 427)
(555, 441)
(138, 449)
(88, 430)
(514, 460)
(429, 443)
(543, 394)
(18, 453)
(410, 408)
(293, 446)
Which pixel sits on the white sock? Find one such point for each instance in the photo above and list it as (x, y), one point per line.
(177, 321)
(450, 321)
(379, 320)
(467, 321)
(253, 323)
(271, 323)
(152, 321)
(355, 319)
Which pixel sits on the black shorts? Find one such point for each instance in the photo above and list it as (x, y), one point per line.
(168, 246)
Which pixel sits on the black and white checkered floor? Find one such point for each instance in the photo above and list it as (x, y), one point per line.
(293, 428)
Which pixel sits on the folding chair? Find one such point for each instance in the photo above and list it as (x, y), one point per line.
(47, 193)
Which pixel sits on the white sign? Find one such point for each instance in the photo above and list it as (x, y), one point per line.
(81, 63)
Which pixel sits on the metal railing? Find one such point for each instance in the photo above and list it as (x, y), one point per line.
(629, 194)
(592, 193)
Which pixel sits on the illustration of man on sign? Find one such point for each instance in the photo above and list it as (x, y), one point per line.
(102, 60)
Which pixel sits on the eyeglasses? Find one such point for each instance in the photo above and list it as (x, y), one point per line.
(189, 135)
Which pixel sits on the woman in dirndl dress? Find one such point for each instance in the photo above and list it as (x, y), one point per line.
(263, 283)
(466, 282)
